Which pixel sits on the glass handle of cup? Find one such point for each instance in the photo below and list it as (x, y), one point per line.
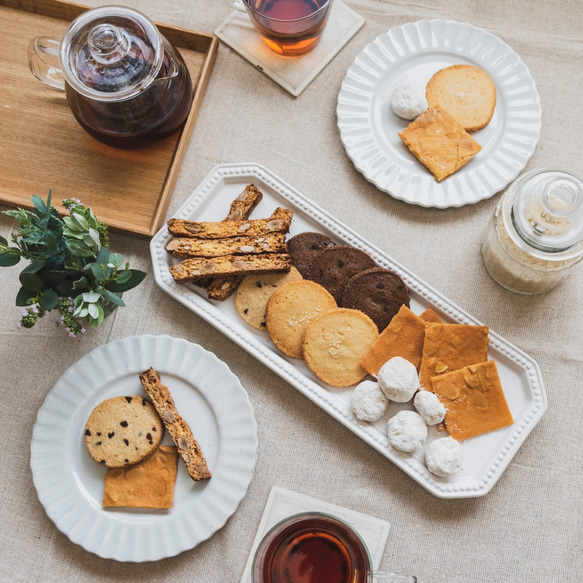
(384, 577)
(43, 60)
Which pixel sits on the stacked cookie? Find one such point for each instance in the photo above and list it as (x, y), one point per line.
(124, 435)
(216, 255)
(459, 99)
(328, 309)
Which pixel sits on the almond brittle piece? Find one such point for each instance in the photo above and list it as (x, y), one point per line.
(474, 400)
(439, 142)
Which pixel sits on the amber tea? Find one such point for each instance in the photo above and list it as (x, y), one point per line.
(289, 27)
(312, 549)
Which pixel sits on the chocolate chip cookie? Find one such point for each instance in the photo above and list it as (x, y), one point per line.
(334, 267)
(377, 292)
(304, 247)
(122, 431)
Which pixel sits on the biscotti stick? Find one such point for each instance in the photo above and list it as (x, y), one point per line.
(278, 222)
(200, 267)
(190, 247)
(177, 427)
(240, 209)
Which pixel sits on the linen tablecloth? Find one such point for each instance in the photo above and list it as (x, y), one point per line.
(528, 527)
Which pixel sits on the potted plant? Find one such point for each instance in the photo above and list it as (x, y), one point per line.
(70, 268)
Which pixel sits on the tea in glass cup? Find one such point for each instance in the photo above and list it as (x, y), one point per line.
(313, 547)
(289, 27)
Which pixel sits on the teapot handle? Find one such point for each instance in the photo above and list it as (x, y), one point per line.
(43, 60)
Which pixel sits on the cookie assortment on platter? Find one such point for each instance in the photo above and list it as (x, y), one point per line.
(348, 319)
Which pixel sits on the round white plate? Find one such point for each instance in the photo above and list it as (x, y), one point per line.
(70, 484)
(414, 52)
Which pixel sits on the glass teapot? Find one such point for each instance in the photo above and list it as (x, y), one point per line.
(124, 82)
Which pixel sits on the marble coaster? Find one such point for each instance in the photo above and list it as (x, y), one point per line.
(283, 503)
(294, 74)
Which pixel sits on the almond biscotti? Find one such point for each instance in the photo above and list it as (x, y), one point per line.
(192, 247)
(177, 427)
(278, 222)
(227, 265)
(242, 207)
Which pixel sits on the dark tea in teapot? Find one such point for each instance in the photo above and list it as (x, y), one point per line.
(124, 82)
(152, 115)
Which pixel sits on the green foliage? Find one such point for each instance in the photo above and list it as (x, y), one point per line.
(70, 266)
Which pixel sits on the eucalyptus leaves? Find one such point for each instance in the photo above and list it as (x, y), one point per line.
(70, 266)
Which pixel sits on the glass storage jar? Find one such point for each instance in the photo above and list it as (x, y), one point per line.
(536, 233)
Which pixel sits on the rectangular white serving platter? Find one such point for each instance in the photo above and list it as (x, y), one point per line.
(485, 457)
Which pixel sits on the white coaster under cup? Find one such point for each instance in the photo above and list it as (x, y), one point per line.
(283, 503)
(294, 74)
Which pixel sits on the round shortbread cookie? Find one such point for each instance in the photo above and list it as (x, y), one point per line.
(122, 431)
(291, 309)
(467, 93)
(377, 292)
(254, 292)
(335, 343)
(333, 267)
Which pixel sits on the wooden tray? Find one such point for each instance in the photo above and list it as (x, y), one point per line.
(42, 146)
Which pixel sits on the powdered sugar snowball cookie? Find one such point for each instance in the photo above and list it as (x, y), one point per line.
(429, 407)
(407, 431)
(368, 402)
(398, 379)
(444, 457)
(408, 100)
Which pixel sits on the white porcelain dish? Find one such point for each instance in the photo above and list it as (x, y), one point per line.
(413, 53)
(486, 456)
(70, 484)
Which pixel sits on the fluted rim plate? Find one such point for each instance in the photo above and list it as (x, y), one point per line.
(414, 52)
(70, 484)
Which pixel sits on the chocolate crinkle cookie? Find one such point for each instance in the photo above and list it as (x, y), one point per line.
(377, 292)
(304, 247)
(334, 267)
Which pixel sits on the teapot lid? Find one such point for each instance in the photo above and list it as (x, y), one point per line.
(111, 53)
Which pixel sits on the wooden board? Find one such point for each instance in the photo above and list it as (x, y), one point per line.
(42, 146)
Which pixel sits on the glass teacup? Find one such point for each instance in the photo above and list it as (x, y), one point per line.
(289, 27)
(314, 547)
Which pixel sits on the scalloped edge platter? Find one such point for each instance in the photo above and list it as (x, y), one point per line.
(70, 484)
(413, 52)
(486, 456)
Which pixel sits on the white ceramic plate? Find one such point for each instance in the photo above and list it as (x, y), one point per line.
(70, 484)
(414, 52)
(486, 456)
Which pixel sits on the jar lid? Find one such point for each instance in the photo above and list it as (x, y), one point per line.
(111, 53)
(548, 210)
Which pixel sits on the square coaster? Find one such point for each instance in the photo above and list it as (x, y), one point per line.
(294, 74)
(283, 503)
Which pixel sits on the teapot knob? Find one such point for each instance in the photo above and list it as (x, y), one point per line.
(108, 44)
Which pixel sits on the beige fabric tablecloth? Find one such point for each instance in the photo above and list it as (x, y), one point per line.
(528, 527)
